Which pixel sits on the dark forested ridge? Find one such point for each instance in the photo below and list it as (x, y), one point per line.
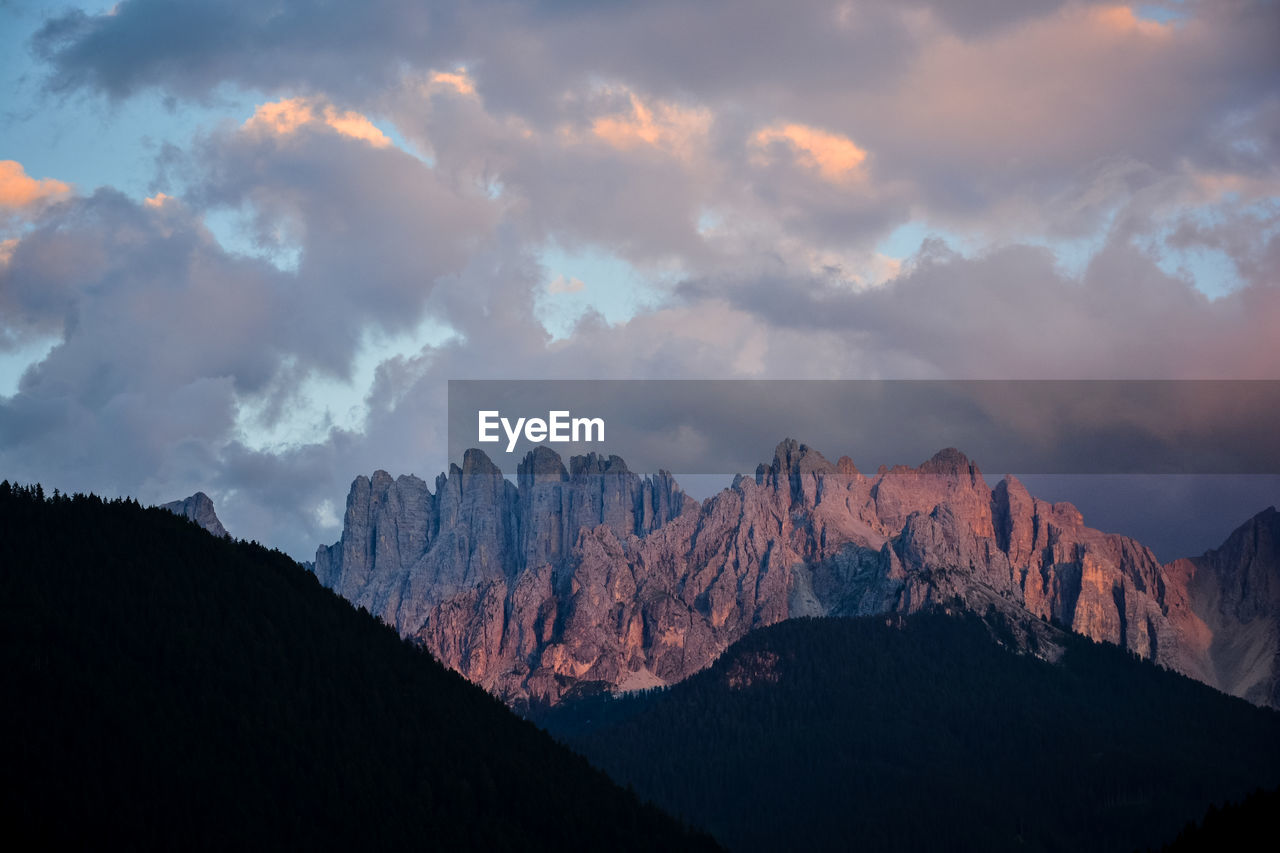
(163, 688)
(923, 733)
(1252, 824)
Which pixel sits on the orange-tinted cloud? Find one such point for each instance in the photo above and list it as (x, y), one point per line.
(18, 189)
(282, 118)
(1074, 86)
(833, 156)
(458, 80)
(660, 124)
(1212, 187)
(1122, 20)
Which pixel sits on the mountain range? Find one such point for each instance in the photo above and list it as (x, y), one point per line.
(588, 577)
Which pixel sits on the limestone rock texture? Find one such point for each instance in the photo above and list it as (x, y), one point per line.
(198, 508)
(592, 577)
(1233, 593)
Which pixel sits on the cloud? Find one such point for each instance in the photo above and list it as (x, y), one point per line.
(748, 160)
(1028, 110)
(284, 118)
(19, 190)
(193, 48)
(660, 124)
(1012, 313)
(560, 284)
(977, 113)
(459, 81)
(164, 336)
(835, 157)
(170, 332)
(1122, 21)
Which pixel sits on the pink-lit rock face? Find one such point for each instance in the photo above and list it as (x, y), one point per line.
(595, 574)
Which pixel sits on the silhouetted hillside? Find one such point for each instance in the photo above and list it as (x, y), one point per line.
(163, 688)
(922, 733)
(1253, 823)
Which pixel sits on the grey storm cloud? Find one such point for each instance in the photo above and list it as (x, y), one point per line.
(532, 47)
(191, 48)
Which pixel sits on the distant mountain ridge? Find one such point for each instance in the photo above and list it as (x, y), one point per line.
(593, 575)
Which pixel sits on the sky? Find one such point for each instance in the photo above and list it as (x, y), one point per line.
(244, 245)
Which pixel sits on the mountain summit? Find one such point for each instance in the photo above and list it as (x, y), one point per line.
(198, 508)
(593, 576)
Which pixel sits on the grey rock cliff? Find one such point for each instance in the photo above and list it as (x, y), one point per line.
(198, 508)
(1234, 595)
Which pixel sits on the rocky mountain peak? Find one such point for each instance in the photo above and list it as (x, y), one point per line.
(791, 455)
(594, 463)
(476, 462)
(542, 464)
(1232, 595)
(1263, 529)
(198, 508)
(797, 470)
(950, 462)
